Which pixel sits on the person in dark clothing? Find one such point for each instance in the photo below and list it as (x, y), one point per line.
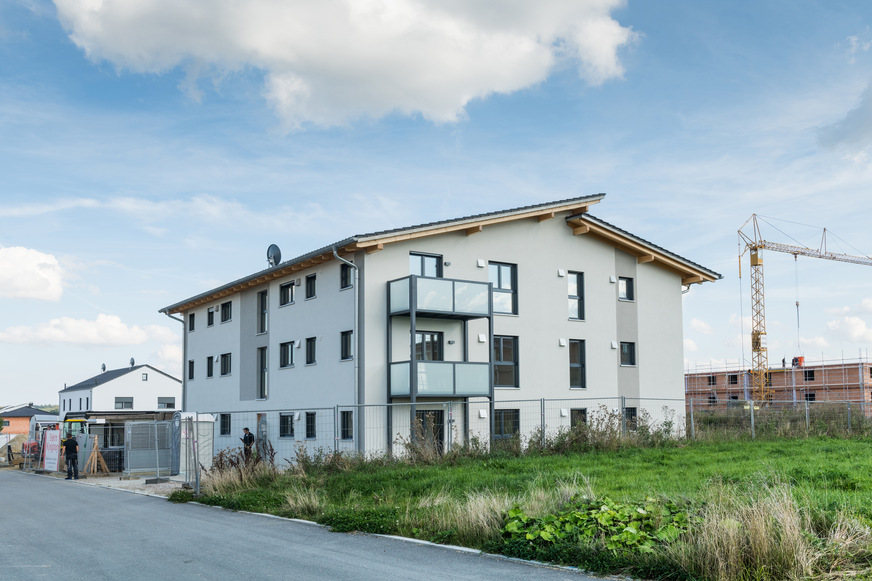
(247, 443)
(71, 457)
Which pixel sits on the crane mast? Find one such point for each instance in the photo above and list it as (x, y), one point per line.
(754, 243)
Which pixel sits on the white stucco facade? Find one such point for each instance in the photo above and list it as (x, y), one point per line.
(543, 247)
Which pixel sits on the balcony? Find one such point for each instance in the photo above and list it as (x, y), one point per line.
(417, 298)
(441, 378)
(440, 297)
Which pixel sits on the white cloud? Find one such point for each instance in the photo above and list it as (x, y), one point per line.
(813, 342)
(330, 62)
(690, 346)
(169, 359)
(104, 330)
(28, 273)
(851, 328)
(853, 134)
(701, 326)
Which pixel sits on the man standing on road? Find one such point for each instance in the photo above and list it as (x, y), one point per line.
(247, 443)
(71, 456)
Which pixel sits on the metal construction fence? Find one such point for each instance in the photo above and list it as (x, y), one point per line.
(283, 434)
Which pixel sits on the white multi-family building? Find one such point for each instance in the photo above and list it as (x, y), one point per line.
(133, 389)
(363, 336)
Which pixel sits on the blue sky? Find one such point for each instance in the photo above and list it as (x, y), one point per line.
(151, 150)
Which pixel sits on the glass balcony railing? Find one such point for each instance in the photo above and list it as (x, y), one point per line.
(440, 295)
(441, 378)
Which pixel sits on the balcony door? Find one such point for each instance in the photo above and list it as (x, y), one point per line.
(432, 426)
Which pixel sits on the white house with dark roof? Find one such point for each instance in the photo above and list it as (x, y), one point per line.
(539, 302)
(137, 388)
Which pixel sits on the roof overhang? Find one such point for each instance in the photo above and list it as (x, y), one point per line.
(645, 252)
(370, 243)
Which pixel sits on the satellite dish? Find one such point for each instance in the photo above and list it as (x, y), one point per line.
(104, 368)
(273, 255)
(132, 362)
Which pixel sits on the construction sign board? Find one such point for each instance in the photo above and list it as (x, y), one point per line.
(52, 455)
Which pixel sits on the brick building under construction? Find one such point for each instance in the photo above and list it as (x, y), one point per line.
(794, 382)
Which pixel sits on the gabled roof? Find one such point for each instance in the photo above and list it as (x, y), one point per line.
(375, 241)
(23, 410)
(108, 376)
(644, 251)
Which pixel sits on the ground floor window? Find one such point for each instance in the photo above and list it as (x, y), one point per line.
(346, 425)
(286, 425)
(577, 416)
(310, 425)
(506, 424)
(224, 430)
(631, 418)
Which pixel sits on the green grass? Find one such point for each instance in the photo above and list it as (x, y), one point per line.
(820, 487)
(830, 471)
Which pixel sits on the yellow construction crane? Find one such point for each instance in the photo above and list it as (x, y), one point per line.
(754, 243)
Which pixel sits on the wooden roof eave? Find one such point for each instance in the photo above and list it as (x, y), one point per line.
(266, 277)
(470, 227)
(642, 252)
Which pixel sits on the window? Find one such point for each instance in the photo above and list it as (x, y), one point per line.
(733, 379)
(506, 424)
(506, 361)
(286, 293)
(190, 322)
(310, 286)
(577, 379)
(346, 430)
(428, 346)
(628, 353)
(768, 378)
(87, 403)
(631, 418)
(226, 311)
(263, 311)
(122, 403)
(210, 317)
(166, 403)
(712, 380)
(809, 397)
(625, 289)
(577, 416)
(576, 295)
(712, 399)
(225, 424)
(210, 366)
(310, 351)
(505, 280)
(80, 404)
(145, 377)
(191, 369)
(225, 364)
(808, 374)
(345, 348)
(310, 425)
(286, 354)
(345, 279)
(263, 375)
(5, 423)
(425, 264)
(286, 425)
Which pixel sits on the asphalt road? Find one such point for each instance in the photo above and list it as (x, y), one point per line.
(56, 529)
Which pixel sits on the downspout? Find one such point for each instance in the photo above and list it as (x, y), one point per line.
(184, 353)
(357, 350)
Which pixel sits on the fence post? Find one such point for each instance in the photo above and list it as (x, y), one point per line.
(156, 453)
(542, 422)
(692, 427)
(849, 417)
(807, 424)
(623, 415)
(336, 429)
(753, 432)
